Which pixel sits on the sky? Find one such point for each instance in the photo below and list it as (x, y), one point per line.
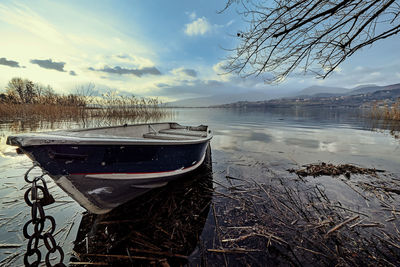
(167, 49)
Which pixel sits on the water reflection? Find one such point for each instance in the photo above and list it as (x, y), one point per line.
(307, 117)
(257, 136)
(240, 119)
(390, 126)
(33, 125)
(166, 223)
(162, 226)
(306, 143)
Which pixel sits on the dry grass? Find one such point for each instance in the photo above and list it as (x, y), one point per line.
(386, 112)
(386, 117)
(11, 112)
(107, 108)
(112, 105)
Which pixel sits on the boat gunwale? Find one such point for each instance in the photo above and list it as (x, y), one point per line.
(57, 138)
(13, 140)
(116, 126)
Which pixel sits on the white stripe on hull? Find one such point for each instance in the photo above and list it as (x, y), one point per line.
(133, 176)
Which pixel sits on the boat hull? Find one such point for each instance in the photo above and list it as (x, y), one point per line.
(102, 177)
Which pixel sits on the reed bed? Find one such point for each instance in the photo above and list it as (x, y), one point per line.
(104, 110)
(24, 112)
(111, 105)
(24, 100)
(386, 118)
(281, 222)
(386, 111)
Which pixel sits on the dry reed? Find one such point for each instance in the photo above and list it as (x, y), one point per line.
(386, 111)
(386, 117)
(71, 108)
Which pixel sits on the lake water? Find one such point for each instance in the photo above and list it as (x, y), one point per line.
(247, 144)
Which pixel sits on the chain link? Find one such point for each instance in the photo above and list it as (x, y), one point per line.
(38, 196)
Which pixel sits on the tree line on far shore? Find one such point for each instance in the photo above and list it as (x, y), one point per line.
(24, 100)
(24, 91)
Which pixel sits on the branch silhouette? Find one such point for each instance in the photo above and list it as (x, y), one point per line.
(307, 36)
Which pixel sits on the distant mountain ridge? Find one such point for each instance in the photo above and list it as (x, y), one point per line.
(387, 96)
(312, 91)
(323, 91)
(374, 88)
(220, 99)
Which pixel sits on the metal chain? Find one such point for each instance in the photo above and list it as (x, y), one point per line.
(38, 196)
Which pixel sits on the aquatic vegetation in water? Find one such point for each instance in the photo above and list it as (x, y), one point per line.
(386, 117)
(26, 101)
(333, 170)
(384, 111)
(280, 221)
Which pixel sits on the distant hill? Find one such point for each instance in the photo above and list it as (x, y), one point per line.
(321, 90)
(390, 95)
(309, 92)
(363, 86)
(221, 99)
(373, 88)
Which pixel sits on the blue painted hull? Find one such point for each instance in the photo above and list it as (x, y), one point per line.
(101, 178)
(110, 159)
(102, 168)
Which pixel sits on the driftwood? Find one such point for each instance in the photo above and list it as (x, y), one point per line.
(10, 245)
(302, 225)
(84, 263)
(340, 225)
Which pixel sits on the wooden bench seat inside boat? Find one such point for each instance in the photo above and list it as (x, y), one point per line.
(164, 136)
(184, 132)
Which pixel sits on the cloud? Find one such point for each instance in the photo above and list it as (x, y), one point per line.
(187, 72)
(73, 73)
(190, 72)
(192, 15)
(198, 27)
(230, 23)
(135, 60)
(25, 18)
(10, 63)
(49, 64)
(219, 69)
(137, 72)
(160, 85)
(178, 85)
(377, 74)
(123, 56)
(194, 88)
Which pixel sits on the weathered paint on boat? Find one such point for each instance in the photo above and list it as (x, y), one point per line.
(102, 168)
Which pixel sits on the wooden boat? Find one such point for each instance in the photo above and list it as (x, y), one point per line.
(102, 168)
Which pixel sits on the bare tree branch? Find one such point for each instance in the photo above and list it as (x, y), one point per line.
(313, 36)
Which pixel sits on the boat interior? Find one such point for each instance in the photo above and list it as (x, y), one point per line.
(161, 131)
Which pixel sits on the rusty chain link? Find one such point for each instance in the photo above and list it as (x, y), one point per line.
(38, 196)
